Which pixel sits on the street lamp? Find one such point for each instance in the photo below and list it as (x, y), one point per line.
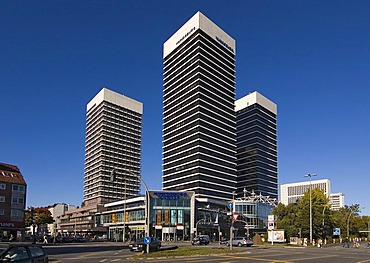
(310, 175)
(147, 208)
(323, 220)
(196, 225)
(349, 216)
(232, 222)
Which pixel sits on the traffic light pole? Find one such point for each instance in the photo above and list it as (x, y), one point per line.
(231, 235)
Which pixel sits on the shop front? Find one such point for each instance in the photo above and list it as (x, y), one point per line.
(171, 215)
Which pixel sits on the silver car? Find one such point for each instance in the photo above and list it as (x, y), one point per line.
(240, 241)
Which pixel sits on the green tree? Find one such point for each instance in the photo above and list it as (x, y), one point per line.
(319, 203)
(41, 216)
(365, 226)
(286, 219)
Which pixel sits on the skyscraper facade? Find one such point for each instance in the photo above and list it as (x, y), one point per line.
(256, 145)
(112, 148)
(199, 126)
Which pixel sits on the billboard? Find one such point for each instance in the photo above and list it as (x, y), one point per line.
(276, 236)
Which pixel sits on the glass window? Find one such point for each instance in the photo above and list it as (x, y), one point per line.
(36, 251)
(16, 254)
(18, 188)
(16, 213)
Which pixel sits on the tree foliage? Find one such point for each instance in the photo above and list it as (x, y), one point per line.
(286, 218)
(295, 218)
(40, 216)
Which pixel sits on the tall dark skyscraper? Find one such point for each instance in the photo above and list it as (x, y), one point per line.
(113, 148)
(199, 124)
(256, 145)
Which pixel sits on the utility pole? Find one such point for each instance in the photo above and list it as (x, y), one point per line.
(33, 225)
(310, 175)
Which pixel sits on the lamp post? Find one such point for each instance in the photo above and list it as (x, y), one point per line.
(147, 207)
(196, 225)
(310, 175)
(323, 220)
(232, 222)
(349, 216)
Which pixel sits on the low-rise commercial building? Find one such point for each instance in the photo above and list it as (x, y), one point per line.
(253, 210)
(171, 216)
(13, 190)
(56, 211)
(81, 222)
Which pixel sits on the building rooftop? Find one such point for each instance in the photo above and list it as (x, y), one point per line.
(11, 174)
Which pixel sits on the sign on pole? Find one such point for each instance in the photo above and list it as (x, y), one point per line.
(336, 232)
(147, 240)
(235, 216)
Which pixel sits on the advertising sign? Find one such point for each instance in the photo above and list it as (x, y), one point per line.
(336, 232)
(276, 236)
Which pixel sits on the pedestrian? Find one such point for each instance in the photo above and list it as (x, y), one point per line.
(346, 242)
(319, 243)
(45, 239)
(356, 243)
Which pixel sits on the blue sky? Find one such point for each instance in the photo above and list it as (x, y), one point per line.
(312, 58)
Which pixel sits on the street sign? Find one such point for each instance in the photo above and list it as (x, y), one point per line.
(147, 240)
(230, 206)
(235, 216)
(336, 232)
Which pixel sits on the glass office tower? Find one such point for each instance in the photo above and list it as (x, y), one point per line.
(199, 125)
(256, 145)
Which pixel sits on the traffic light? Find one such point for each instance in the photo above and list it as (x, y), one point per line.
(229, 221)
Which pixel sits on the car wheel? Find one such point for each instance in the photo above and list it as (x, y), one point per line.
(239, 244)
(227, 244)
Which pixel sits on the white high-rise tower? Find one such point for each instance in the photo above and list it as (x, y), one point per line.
(199, 125)
(113, 148)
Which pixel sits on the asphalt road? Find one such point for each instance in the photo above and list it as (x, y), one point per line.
(116, 252)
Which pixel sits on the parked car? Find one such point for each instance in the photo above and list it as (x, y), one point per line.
(206, 237)
(24, 253)
(241, 241)
(198, 240)
(139, 245)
